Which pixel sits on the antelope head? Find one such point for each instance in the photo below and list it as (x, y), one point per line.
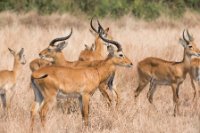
(189, 44)
(101, 30)
(52, 50)
(118, 57)
(19, 56)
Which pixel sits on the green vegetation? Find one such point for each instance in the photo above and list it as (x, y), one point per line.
(146, 9)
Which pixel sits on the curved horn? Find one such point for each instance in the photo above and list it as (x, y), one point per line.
(184, 36)
(60, 39)
(189, 36)
(100, 27)
(92, 25)
(112, 42)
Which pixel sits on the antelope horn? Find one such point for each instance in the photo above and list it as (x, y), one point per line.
(184, 36)
(100, 27)
(92, 25)
(112, 42)
(52, 43)
(189, 36)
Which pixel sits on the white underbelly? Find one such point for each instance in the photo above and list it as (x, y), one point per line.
(62, 95)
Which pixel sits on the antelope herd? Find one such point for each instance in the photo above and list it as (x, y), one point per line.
(53, 75)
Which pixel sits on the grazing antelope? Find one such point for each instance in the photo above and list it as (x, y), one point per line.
(48, 81)
(96, 51)
(8, 78)
(162, 72)
(195, 73)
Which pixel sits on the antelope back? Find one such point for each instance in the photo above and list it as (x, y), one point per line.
(38, 63)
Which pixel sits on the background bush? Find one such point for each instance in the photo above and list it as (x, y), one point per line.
(146, 9)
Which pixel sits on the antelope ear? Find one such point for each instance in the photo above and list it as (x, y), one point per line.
(87, 47)
(107, 29)
(61, 46)
(92, 47)
(21, 52)
(183, 42)
(111, 50)
(11, 51)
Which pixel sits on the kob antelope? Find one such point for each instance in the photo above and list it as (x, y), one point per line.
(8, 78)
(96, 51)
(54, 51)
(48, 81)
(161, 72)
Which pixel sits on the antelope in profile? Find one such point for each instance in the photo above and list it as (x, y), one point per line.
(162, 72)
(38, 63)
(95, 52)
(49, 80)
(8, 78)
(55, 52)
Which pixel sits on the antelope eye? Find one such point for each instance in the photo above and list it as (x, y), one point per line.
(121, 55)
(190, 46)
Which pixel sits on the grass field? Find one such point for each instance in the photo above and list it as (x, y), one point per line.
(139, 39)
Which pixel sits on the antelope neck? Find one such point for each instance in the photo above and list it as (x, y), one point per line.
(106, 69)
(59, 59)
(98, 45)
(16, 67)
(185, 63)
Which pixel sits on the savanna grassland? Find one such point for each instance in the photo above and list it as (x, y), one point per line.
(139, 39)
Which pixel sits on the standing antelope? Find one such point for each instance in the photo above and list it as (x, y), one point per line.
(161, 72)
(89, 54)
(48, 81)
(8, 78)
(195, 73)
(55, 52)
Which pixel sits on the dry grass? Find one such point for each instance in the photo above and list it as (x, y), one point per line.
(139, 40)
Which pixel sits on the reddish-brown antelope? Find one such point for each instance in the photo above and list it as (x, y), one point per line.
(161, 72)
(48, 81)
(96, 51)
(8, 78)
(55, 52)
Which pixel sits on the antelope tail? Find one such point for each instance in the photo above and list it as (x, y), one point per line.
(38, 95)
